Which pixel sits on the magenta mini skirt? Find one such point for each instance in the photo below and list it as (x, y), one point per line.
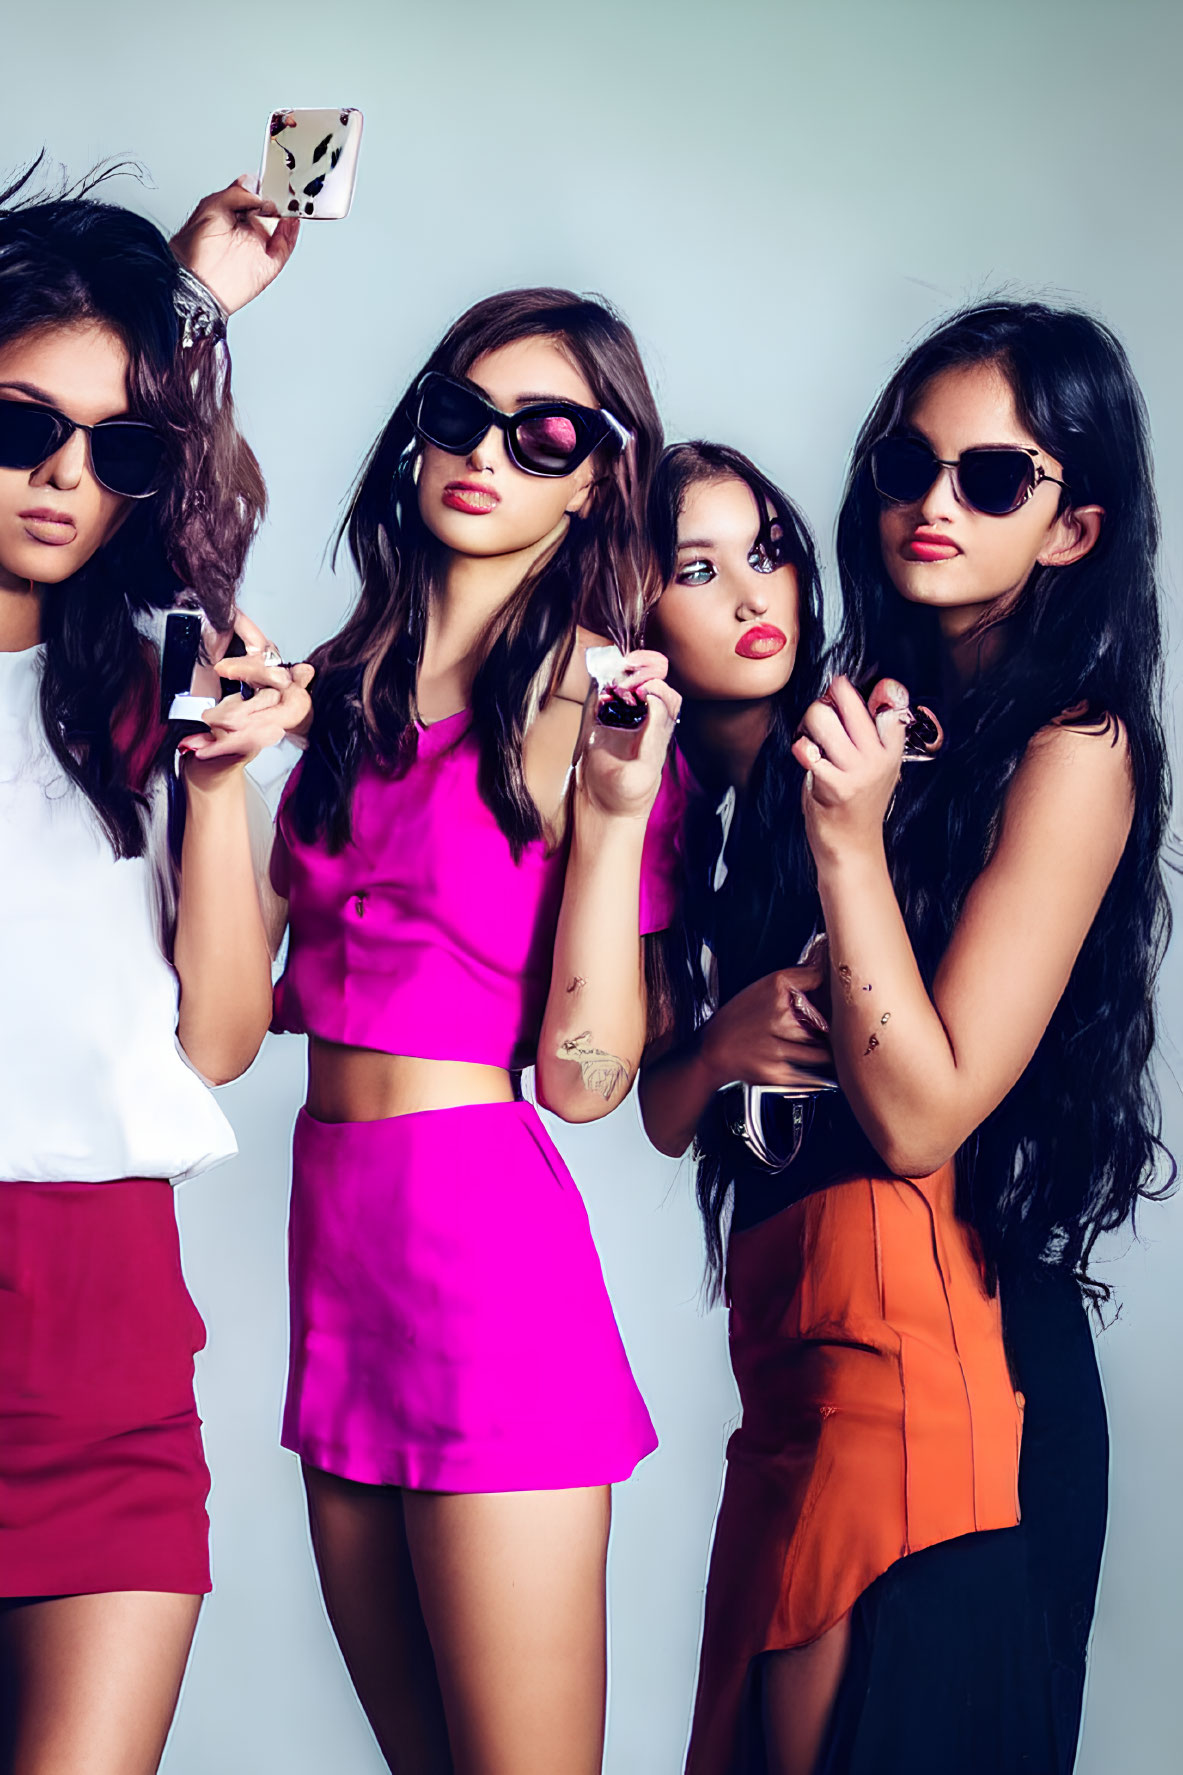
(450, 1326)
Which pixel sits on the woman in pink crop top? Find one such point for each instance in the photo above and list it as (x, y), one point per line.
(463, 904)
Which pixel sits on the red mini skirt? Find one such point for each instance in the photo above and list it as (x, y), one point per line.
(102, 1477)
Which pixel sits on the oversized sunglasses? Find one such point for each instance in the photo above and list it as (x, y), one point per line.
(126, 455)
(544, 438)
(995, 479)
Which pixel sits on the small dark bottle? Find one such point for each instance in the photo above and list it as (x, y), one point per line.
(618, 709)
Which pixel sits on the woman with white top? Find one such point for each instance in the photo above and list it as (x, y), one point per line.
(130, 982)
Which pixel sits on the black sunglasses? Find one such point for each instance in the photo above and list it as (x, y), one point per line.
(545, 438)
(126, 455)
(995, 479)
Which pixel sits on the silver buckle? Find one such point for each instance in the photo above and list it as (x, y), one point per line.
(746, 1118)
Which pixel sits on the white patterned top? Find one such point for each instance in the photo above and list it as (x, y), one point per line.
(93, 1085)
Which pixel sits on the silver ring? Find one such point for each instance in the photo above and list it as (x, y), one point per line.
(271, 657)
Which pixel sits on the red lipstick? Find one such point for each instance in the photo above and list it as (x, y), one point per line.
(471, 497)
(930, 545)
(762, 641)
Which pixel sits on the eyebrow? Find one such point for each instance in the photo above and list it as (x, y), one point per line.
(31, 389)
(528, 400)
(987, 444)
(706, 542)
(48, 400)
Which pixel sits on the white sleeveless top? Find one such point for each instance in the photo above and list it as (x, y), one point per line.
(93, 1085)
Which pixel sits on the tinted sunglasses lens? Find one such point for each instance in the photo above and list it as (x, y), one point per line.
(27, 435)
(902, 469)
(451, 417)
(127, 459)
(995, 481)
(550, 443)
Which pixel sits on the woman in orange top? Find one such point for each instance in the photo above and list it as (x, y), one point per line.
(990, 1040)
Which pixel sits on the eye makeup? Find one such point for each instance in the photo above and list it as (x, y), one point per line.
(764, 556)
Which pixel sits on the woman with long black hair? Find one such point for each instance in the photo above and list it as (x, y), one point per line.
(740, 620)
(875, 1602)
(130, 978)
(998, 545)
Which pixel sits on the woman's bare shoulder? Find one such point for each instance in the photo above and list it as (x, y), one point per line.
(1092, 740)
(1076, 769)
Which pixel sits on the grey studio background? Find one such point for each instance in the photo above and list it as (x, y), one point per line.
(778, 196)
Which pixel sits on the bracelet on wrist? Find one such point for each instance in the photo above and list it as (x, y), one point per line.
(201, 315)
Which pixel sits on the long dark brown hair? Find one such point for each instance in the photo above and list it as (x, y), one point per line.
(600, 575)
(69, 260)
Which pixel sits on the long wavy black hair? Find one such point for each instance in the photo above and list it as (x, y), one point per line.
(767, 908)
(71, 260)
(1074, 1145)
(600, 575)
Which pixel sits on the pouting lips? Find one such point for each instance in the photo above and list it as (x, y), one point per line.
(761, 642)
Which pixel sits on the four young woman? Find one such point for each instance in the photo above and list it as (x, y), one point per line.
(912, 917)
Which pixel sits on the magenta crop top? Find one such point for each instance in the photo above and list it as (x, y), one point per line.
(423, 936)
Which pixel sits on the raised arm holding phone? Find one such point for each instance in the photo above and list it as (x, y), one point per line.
(124, 485)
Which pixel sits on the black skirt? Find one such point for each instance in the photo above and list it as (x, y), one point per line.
(970, 1656)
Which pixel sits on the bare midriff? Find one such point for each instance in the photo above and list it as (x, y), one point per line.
(363, 1085)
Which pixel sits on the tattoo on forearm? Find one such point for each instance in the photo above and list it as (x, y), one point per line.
(601, 1072)
(576, 984)
(851, 984)
(851, 987)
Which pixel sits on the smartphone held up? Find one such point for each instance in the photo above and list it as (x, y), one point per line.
(310, 162)
(189, 686)
(180, 699)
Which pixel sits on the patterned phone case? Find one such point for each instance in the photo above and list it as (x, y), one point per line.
(310, 162)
